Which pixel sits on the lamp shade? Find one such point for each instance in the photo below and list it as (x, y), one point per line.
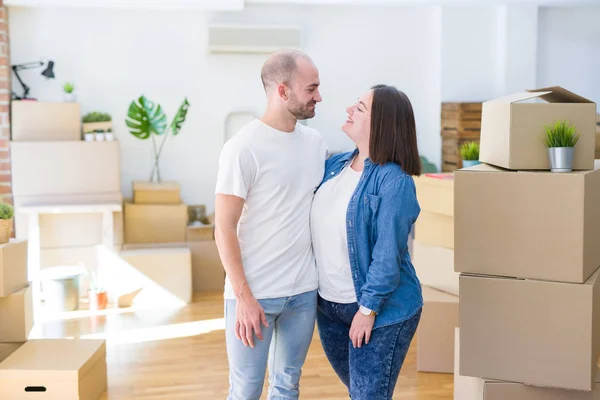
(49, 71)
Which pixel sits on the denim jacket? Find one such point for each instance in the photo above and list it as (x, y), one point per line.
(379, 219)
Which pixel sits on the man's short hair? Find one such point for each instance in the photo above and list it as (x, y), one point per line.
(281, 67)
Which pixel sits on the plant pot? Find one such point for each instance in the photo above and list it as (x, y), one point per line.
(470, 163)
(99, 137)
(109, 137)
(6, 226)
(98, 301)
(561, 158)
(69, 97)
(89, 137)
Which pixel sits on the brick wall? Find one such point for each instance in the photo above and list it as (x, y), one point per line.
(5, 95)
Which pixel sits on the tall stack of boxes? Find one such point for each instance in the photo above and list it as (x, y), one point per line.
(433, 258)
(526, 248)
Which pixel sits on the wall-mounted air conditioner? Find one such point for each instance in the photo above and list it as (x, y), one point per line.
(252, 38)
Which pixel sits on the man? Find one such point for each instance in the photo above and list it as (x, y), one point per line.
(268, 173)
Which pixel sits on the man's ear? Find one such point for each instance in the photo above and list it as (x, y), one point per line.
(282, 91)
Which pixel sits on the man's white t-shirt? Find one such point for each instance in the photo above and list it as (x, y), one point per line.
(330, 240)
(276, 173)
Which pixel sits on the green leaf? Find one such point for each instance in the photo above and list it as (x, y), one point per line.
(469, 151)
(180, 117)
(560, 134)
(145, 118)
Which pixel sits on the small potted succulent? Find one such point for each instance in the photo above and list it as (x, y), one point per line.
(6, 222)
(99, 135)
(89, 136)
(98, 295)
(68, 95)
(560, 140)
(96, 120)
(109, 136)
(469, 153)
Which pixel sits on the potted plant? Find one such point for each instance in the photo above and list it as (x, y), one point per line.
(68, 94)
(560, 139)
(97, 294)
(89, 136)
(469, 153)
(108, 135)
(96, 120)
(146, 119)
(6, 222)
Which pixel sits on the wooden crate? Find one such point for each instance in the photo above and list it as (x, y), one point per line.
(462, 120)
(451, 152)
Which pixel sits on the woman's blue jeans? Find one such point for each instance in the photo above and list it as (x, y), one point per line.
(369, 372)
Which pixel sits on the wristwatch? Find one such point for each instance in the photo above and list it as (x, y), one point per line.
(365, 311)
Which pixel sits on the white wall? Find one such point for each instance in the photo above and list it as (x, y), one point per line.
(114, 56)
(569, 50)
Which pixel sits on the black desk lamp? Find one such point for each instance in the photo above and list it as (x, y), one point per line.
(48, 73)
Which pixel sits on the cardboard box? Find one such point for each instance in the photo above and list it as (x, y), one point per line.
(538, 225)
(435, 193)
(535, 332)
(156, 193)
(470, 388)
(58, 368)
(197, 233)
(168, 268)
(512, 128)
(6, 349)
(435, 334)
(155, 223)
(13, 266)
(435, 230)
(208, 273)
(435, 267)
(16, 316)
(45, 121)
(63, 168)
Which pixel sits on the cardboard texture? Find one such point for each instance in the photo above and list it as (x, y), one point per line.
(470, 388)
(156, 193)
(197, 233)
(512, 128)
(155, 223)
(69, 230)
(168, 268)
(538, 225)
(13, 266)
(16, 316)
(45, 121)
(63, 168)
(435, 267)
(6, 349)
(435, 230)
(534, 332)
(207, 270)
(435, 193)
(435, 334)
(64, 368)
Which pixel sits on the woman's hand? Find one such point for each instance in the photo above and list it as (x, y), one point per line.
(361, 328)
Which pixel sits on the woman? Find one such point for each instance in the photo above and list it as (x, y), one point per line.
(370, 298)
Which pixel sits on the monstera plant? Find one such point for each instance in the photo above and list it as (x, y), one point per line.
(146, 120)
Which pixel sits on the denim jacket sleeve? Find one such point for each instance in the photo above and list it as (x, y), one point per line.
(398, 210)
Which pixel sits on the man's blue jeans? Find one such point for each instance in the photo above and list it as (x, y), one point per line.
(369, 372)
(284, 347)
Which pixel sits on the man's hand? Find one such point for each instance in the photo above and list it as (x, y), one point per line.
(249, 315)
(361, 328)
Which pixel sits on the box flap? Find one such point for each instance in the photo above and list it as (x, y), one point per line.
(556, 94)
(516, 97)
(55, 359)
(434, 295)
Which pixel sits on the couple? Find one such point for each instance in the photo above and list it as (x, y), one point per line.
(303, 237)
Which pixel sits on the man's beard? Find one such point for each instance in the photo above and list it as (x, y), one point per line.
(301, 111)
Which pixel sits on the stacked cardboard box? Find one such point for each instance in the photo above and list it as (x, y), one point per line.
(597, 154)
(433, 258)
(16, 308)
(461, 123)
(156, 215)
(526, 247)
(207, 270)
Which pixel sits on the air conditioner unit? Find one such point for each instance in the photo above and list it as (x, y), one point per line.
(252, 38)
